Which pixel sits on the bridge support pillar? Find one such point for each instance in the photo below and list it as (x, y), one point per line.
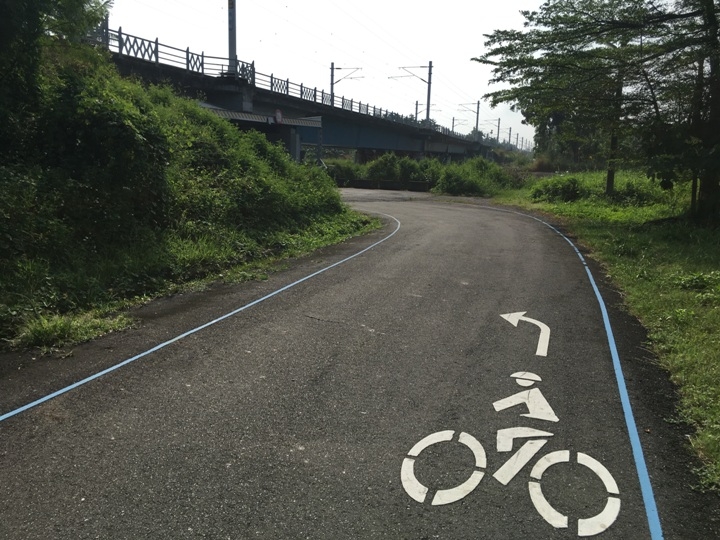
(292, 143)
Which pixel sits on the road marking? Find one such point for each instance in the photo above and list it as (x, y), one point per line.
(543, 341)
(521, 458)
(651, 510)
(588, 526)
(418, 492)
(195, 330)
(537, 406)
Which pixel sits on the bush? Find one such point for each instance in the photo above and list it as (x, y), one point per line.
(345, 172)
(635, 192)
(102, 149)
(559, 188)
(460, 180)
(431, 171)
(409, 170)
(384, 169)
(477, 177)
(488, 170)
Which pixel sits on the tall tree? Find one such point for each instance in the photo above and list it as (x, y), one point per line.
(24, 27)
(650, 69)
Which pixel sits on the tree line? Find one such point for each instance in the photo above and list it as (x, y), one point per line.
(611, 82)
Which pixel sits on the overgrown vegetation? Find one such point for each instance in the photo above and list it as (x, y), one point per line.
(112, 191)
(666, 265)
(476, 176)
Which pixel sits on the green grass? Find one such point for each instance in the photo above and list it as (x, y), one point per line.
(668, 269)
(195, 264)
(52, 331)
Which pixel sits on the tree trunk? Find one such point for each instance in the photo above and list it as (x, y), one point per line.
(709, 193)
(612, 157)
(613, 154)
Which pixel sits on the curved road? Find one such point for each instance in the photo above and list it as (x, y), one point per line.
(362, 393)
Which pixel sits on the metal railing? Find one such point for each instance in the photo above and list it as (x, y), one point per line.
(153, 51)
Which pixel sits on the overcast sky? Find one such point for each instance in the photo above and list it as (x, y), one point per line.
(299, 41)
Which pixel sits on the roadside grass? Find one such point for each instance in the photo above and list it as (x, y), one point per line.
(52, 331)
(668, 269)
(196, 264)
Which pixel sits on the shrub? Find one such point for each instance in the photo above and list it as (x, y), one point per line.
(559, 188)
(431, 171)
(463, 180)
(409, 170)
(489, 171)
(103, 151)
(477, 177)
(636, 192)
(384, 169)
(344, 171)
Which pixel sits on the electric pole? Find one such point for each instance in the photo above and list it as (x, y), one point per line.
(477, 120)
(232, 38)
(477, 117)
(428, 82)
(333, 82)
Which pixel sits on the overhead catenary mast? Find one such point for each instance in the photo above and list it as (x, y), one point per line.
(232, 38)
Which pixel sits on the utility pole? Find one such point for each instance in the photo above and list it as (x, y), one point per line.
(477, 120)
(332, 84)
(477, 117)
(232, 38)
(510, 136)
(498, 132)
(416, 110)
(333, 81)
(428, 82)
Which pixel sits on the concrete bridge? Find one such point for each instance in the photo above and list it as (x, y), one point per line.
(295, 114)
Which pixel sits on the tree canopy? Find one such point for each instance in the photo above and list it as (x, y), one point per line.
(23, 27)
(602, 80)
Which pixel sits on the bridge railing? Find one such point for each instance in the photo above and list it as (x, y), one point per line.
(153, 51)
(288, 88)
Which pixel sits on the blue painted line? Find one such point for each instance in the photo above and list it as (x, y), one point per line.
(653, 516)
(194, 330)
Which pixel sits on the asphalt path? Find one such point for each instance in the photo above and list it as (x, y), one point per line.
(362, 392)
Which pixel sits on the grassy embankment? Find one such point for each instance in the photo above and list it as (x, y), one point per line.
(668, 269)
(117, 193)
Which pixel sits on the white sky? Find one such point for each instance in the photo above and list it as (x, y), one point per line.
(299, 40)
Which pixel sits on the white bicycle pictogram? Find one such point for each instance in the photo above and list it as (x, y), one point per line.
(538, 408)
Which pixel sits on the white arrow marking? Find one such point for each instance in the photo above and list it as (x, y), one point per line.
(515, 318)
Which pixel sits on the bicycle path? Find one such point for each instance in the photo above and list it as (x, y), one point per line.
(344, 396)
